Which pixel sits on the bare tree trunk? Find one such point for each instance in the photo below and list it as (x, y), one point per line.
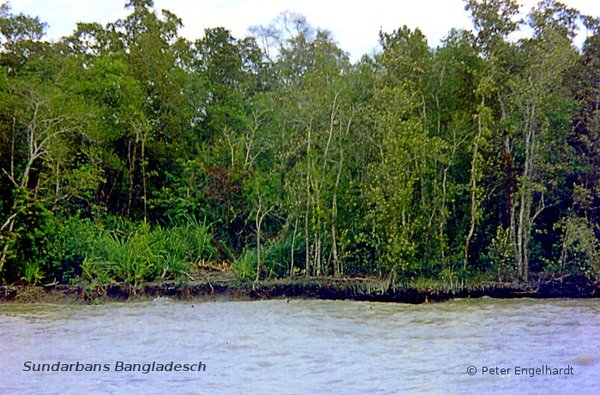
(317, 252)
(443, 211)
(514, 225)
(442, 214)
(258, 223)
(526, 198)
(318, 186)
(308, 197)
(144, 180)
(293, 248)
(9, 224)
(473, 187)
(250, 137)
(39, 136)
(334, 249)
(132, 153)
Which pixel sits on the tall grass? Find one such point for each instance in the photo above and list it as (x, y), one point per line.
(244, 266)
(276, 258)
(178, 247)
(146, 254)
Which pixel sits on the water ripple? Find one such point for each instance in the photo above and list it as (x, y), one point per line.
(304, 346)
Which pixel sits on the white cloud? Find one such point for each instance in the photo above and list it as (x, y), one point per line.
(355, 24)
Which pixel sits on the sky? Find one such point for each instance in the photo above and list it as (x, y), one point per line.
(355, 24)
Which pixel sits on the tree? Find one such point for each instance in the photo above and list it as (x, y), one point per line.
(539, 93)
(401, 183)
(20, 37)
(45, 122)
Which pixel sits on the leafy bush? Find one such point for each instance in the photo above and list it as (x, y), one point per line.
(501, 255)
(580, 250)
(49, 247)
(69, 242)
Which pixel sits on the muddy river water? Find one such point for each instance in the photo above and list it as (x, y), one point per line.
(302, 347)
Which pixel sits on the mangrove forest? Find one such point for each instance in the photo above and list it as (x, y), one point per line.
(130, 154)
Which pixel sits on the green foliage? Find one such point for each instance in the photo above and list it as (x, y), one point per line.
(147, 253)
(580, 249)
(245, 264)
(454, 163)
(27, 244)
(501, 254)
(68, 242)
(277, 256)
(132, 257)
(32, 274)
(181, 246)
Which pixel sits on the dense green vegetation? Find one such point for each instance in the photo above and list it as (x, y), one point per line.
(129, 153)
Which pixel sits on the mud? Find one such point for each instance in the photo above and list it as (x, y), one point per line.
(228, 288)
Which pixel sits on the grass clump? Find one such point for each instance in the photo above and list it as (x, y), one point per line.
(146, 253)
(244, 266)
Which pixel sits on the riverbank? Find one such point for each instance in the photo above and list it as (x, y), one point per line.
(225, 286)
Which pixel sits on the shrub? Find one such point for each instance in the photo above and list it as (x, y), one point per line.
(580, 250)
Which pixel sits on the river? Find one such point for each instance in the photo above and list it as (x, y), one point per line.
(302, 347)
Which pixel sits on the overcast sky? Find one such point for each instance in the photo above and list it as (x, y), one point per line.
(354, 24)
